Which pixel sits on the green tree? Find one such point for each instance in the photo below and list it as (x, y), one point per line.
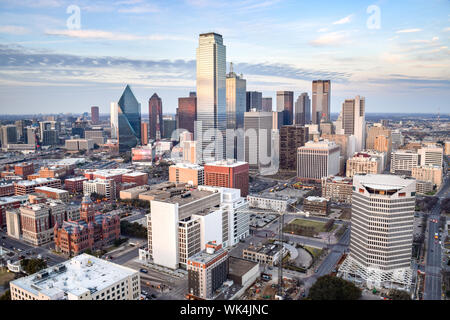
(399, 295)
(333, 288)
(31, 266)
(6, 295)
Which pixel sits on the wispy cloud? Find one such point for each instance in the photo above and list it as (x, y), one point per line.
(331, 39)
(16, 30)
(344, 20)
(146, 8)
(408, 30)
(34, 3)
(112, 36)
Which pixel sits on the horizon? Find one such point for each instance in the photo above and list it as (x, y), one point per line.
(48, 56)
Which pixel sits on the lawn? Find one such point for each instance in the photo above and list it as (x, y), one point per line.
(317, 225)
(315, 251)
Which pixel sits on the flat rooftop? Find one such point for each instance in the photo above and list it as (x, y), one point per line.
(226, 163)
(382, 181)
(78, 275)
(49, 189)
(183, 198)
(205, 257)
(188, 166)
(35, 181)
(239, 266)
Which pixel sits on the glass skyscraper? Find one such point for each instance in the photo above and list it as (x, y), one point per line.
(129, 120)
(211, 96)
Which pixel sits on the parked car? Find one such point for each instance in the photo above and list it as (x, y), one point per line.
(144, 270)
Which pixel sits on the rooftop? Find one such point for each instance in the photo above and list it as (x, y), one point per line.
(49, 189)
(316, 199)
(35, 181)
(239, 267)
(78, 275)
(188, 166)
(226, 163)
(382, 181)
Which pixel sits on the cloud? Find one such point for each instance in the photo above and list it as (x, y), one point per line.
(113, 36)
(345, 20)
(446, 29)
(17, 30)
(147, 8)
(322, 30)
(34, 3)
(408, 30)
(412, 81)
(330, 39)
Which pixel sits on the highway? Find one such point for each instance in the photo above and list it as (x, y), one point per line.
(433, 277)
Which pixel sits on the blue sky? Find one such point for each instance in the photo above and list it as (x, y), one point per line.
(402, 66)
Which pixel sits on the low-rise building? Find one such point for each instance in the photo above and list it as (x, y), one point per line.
(192, 174)
(424, 187)
(133, 193)
(430, 173)
(74, 184)
(363, 163)
(84, 277)
(268, 254)
(316, 206)
(106, 188)
(53, 193)
(26, 187)
(337, 189)
(270, 201)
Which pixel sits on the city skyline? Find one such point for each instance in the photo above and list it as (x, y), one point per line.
(403, 66)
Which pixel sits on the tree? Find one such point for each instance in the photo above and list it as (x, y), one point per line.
(6, 295)
(133, 229)
(31, 266)
(334, 288)
(399, 295)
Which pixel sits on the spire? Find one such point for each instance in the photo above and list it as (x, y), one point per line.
(231, 67)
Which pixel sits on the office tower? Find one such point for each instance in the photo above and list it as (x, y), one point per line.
(363, 163)
(321, 94)
(95, 117)
(317, 159)
(169, 126)
(207, 271)
(236, 107)
(236, 99)
(267, 104)
(277, 120)
(211, 97)
(431, 155)
(228, 174)
(376, 131)
(187, 112)
(9, 135)
(258, 147)
(431, 173)
(402, 162)
(21, 126)
(382, 230)
(254, 101)
(32, 138)
(144, 133)
(397, 139)
(97, 135)
(114, 121)
(128, 115)
(353, 120)
(75, 279)
(291, 138)
(303, 109)
(285, 104)
(155, 116)
(49, 137)
(189, 173)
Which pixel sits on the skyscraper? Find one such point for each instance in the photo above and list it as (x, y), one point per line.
(267, 104)
(128, 117)
(114, 120)
(236, 107)
(285, 104)
(144, 133)
(291, 138)
(253, 100)
(258, 147)
(95, 115)
(353, 120)
(155, 117)
(382, 230)
(211, 97)
(187, 112)
(321, 93)
(302, 109)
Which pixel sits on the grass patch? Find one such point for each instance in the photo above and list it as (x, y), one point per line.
(5, 276)
(314, 251)
(317, 225)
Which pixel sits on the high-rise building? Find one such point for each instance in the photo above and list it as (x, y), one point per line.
(114, 121)
(144, 133)
(207, 271)
(402, 161)
(258, 147)
(382, 231)
(321, 94)
(431, 155)
(228, 174)
(189, 173)
(49, 137)
(291, 138)
(363, 163)
(353, 120)
(128, 115)
(267, 104)
(95, 117)
(97, 135)
(316, 160)
(155, 116)
(169, 126)
(285, 104)
(375, 131)
(303, 109)
(9, 135)
(397, 139)
(253, 101)
(187, 112)
(21, 126)
(211, 97)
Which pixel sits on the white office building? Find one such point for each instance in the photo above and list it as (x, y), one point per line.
(318, 159)
(382, 231)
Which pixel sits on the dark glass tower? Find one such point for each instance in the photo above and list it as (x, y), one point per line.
(129, 120)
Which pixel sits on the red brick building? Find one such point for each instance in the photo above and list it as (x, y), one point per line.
(24, 169)
(92, 231)
(26, 187)
(6, 189)
(228, 174)
(74, 184)
(139, 178)
(5, 204)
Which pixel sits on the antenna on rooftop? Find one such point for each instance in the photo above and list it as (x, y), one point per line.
(231, 67)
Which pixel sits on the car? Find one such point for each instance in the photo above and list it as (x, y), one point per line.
(143, 270)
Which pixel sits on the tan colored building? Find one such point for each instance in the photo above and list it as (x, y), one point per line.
(191, 174)
(424, 187)
(363, 163)
(133, 193)
(316, 206)
(53, 193)
(447, 148)
(428, 173)
(383, 143)
(374, 132)
(337, 189)
(190, 151)
(431, 155)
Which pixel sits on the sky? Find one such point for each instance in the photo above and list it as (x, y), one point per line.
(395, 53)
